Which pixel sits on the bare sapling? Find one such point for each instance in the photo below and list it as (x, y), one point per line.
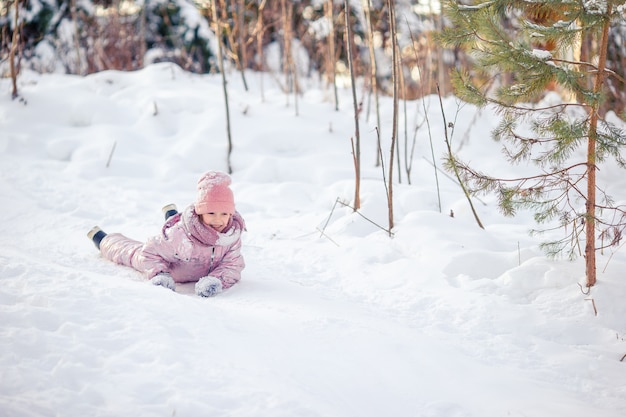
(432, 150)
(235, 46)
(259, 30)
(441, 68)
(217, 25)
(76, 34)
(367, 8)
(241, 41)
(453, 166)
(331, 59)
(143, 47)
(13, 51)
(356, 148)
(382, 167)
(290, 61)
(426, 120)
(424, 80)
(394, 129)
(405, 118)
(286, 66)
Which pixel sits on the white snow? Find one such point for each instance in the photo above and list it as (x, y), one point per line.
(443, 319)
(542, 54)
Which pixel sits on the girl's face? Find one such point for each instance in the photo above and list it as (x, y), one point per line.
(217, 221)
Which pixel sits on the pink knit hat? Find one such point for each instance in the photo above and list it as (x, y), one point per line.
(214, 196)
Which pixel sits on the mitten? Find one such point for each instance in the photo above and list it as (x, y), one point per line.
(165, 280)
(208, 286)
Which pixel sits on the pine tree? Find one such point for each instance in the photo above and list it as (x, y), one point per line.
(522, 49)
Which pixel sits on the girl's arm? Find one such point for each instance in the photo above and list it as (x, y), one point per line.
(229, 269)
(156, 256)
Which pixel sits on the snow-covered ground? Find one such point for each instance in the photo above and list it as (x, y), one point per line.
(444, 319)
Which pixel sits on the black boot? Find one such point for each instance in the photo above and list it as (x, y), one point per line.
(96, 235)
(169, 211)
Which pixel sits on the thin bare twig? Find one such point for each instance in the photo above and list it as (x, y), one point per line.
(583, 291)
(450, 178)
(322, 233)
(454, 165)
(371, 221)
(329, 217)
(593, 302)
(111, 154)
(338, 201)
(611, 256)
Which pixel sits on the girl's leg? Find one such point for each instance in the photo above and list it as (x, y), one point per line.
(96, 235)
(119, 249)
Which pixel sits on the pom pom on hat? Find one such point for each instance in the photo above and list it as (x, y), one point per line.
(214, 195)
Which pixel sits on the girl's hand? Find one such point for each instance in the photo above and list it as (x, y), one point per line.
(208, 286)
(165, 280)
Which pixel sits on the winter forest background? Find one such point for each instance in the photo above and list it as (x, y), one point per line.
(85, 36)
(509, 54)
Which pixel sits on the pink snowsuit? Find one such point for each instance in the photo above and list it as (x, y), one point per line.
(186, 248)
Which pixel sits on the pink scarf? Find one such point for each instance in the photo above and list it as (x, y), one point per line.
(208, 236)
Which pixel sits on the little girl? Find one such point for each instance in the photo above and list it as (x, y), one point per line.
(202, 244)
